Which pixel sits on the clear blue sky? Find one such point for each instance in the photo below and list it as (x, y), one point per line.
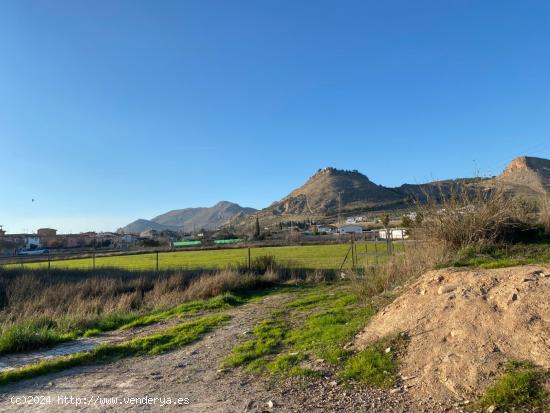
(115, 110)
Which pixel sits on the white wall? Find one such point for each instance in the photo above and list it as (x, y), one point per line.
(396, 233)
(350, 229)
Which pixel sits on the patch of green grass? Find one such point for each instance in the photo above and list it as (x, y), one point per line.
(167, 340)
(283, 363)
(221, 302)
(333, 315)
(324, 334)
(45, 333)
(373, 365)
(499, 256)
(31, 335)
(336, 316)
(268, 336)
(327, 296)
(308, 301)
(521, 385)
(328, 256)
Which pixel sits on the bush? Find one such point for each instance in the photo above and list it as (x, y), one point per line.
(413, 262)
(264, 263)
(544, 214)
(260, 265)
(473, 216)
(211, 285)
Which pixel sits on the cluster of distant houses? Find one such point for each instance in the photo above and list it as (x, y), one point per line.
(359, 231)
(47, 238)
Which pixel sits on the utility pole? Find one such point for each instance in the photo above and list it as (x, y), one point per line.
(340, 208)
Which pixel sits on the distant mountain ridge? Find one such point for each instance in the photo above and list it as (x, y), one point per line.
(330, 191)
(189, 219)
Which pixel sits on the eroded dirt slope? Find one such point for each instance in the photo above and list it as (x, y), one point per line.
(464, 324)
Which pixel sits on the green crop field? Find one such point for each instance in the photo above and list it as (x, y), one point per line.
(309, 257)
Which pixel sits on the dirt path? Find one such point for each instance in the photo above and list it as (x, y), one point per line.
(193, 373)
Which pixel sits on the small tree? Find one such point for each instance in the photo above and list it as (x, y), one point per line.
(385, 220)
(406, 221)
(257, 228)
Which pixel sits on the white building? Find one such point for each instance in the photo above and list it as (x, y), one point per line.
(32, 242)
(395, 233)
(350, 229)
(354, 220)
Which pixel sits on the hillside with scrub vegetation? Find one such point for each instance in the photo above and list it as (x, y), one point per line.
(332, 193)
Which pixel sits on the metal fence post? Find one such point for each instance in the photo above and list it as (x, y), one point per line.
(352, 255)
(93, 260)
(49, 263)
(157, 261)
(249, 261)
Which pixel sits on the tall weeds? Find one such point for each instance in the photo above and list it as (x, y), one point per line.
(416, 259)
(472, 216)
(544, 214)
(465, 216)
(39, 308)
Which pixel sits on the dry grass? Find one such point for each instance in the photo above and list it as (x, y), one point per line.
(398, 269)
(465, 218)
(80, 295)
(40, 308)
(472, 216)
(222, 281)
(544, 214)
(85, 294)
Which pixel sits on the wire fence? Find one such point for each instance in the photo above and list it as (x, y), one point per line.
(352, 254)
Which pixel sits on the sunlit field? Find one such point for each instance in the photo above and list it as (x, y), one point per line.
(308, 257)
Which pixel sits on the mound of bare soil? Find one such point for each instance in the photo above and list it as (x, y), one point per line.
(464, 324)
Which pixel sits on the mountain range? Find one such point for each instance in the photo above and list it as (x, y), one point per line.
(189, 219)
(331, 191)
